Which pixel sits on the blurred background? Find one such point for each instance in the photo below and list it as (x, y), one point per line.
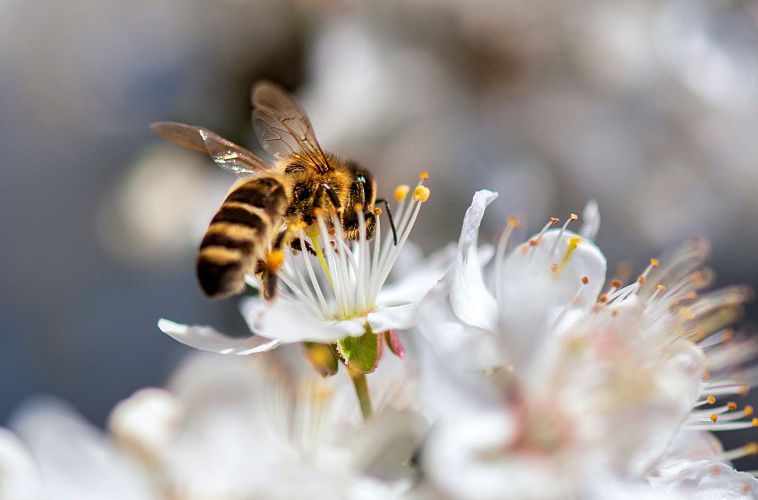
(648, 106)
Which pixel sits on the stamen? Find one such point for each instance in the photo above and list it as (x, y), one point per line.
(744, 451)
(421, 193)
(401, 192)
(536, 241)
(571, 219)
(502, 245)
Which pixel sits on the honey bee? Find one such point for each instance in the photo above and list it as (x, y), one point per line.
(265, 210)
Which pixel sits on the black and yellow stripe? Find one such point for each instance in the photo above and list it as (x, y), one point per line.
(240, 234)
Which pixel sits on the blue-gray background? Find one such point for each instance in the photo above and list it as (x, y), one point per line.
(648, 106)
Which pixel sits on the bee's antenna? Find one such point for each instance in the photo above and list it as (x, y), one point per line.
(389, 216)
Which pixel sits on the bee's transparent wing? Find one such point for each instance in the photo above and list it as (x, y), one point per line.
(283, 128)
(226, 154)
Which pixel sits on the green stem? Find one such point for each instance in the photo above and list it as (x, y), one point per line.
(361, 390)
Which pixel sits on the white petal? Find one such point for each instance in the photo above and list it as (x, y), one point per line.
(534, 296)
(19, 475)
(145, 422)
(469, 297)
(590, 220)
(290, 322)
(75, 459)
(392, 318)
(208, 339)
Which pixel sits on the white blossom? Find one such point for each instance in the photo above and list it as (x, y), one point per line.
(565, 381)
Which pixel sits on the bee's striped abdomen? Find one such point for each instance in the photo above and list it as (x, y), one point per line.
(239, 234)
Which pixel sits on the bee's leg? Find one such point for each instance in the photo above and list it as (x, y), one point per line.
(273, 264)
(333, 198)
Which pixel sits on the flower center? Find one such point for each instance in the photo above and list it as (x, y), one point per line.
(344, 277)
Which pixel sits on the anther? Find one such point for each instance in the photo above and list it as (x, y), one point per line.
(553, 267)
(358, 208)
(616, 283)
(641, 279)
(602, 299)
(421, 193)
(401, 192)
(711, 399)
(655, 262)
(748, 410)
(555, 220)
(585, 279)
(513, 222)
(378, 211)
(731, 406)
(423, 175)
(714, 418)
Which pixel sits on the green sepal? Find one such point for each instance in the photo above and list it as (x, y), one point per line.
(321, 357)
(363, 353)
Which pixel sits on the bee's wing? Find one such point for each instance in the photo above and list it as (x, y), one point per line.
(282, 126)
(226, 154)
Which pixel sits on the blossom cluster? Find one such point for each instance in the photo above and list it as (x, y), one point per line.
(518, 371)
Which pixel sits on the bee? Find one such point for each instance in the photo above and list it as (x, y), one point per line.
(266, 208)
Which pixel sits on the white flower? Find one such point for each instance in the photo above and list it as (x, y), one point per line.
(551, 278)
(249, 428)
(224, 428)
(581, 383)
(338, 293)
(61, 456)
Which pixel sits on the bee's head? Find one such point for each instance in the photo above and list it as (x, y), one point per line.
(363, 186)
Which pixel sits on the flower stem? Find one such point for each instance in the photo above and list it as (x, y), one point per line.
(361, 390)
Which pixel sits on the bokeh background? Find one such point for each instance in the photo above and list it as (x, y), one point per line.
(648, 106)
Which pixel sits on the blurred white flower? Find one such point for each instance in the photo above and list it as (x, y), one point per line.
(581, 384)
(61, 456)
(340, 292)
(224, 428)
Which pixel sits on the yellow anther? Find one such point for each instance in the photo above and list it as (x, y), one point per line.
(401, 192)
(358, 208)
(555, 220)
(574, 217)
(748, 410)
(274, 260)
(655, 262)
(711, 399)
(318, 212)
(755, 422)
(731, 406)
(377, 211)
(744, 390)
(661, 287)
(423, 175)
(686, 314)
(585, 280)
(421, 193)
(513, 222)
(714, 418)
(751, 448)
(641, 279)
